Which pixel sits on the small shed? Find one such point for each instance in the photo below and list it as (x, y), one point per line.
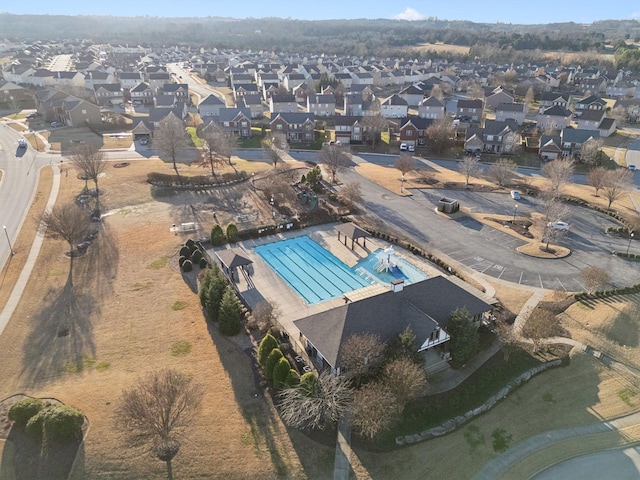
(231, 259)
(352, 231)
(448, 205)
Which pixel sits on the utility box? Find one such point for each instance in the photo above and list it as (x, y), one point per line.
(448, 205)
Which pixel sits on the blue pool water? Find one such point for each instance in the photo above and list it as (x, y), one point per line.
(404, 270)
(313, 272)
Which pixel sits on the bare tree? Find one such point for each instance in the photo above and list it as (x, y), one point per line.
(596, 178)
(440, 134)
(375, 409)
(540, 324)
(559, 173)
(616, 183)
(590, 151)
(351, 194)
(405, 379)
(507, 338)
(436, 92)
(217, 146)
(405, 163)
(469, 167)
(275, 147)
(335, 157)
(529, 98)
(502, 171)
(264, 315)
(156, 411)
(373, 126)
(90, 161)
(315, 403)
(359, 353)
(619, 114)
(68, 222)
(553, 210)
(171, 138)
(594, 278)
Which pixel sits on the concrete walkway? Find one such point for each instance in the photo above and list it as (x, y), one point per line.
(30, 262)
(342, 463)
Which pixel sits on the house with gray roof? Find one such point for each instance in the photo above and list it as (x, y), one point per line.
(511, 111)
(283, 103)
(235, 121)
(322, 105)
(555, 117)
(432, 108)
(296, 127)
(425, 307)
(572, 139)
(394, 107)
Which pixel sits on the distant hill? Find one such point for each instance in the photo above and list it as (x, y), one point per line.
(355, 37)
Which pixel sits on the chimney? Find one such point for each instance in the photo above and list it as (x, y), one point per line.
(397, 285)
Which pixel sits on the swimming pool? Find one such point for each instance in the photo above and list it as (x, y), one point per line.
(403, 270)
(312, 271)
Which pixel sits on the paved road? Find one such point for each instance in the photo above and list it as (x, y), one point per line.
(202, 90)
(18, 185)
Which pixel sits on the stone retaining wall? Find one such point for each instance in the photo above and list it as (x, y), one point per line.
(454, 423)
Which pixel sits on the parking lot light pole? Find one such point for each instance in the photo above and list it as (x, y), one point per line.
(8, 241)
(515, 212)
(628, 245)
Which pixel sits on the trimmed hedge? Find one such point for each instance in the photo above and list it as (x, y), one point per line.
(217, 236)
(196, 256)
(23, 410)
(195, 182)
(273, 358)
(232, 232)
(281, 373)
(267, 344)
(187, 266)
(608, 293)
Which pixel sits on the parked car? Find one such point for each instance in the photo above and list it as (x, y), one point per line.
(412, 148)
(31, 116)
(403, 147)
(22, 143)
(56, 124)
(144, 141)
(515, 194)
(558, 225)
(632, 168)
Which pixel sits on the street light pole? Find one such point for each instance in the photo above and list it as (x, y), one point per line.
(273, 212)
(629, 244)
(8, 241)
(515, 212)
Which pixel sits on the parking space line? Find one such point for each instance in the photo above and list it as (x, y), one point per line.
(582, 287)
(501, 272)
(563, 287)
(540, 278)
(520, 281)
(490, 265)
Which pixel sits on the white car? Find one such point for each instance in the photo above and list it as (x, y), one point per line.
(632, 168)
(22, 143)
(403, 147)
(515, 194)
(558, 225)
(412, 148)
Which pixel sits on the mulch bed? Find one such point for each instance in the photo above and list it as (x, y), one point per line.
(521, 227)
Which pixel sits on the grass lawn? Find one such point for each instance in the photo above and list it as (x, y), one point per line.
(127, 312)
(581, 393)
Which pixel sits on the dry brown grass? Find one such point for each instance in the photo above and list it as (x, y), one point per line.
(121, 325)
(443, 47)
(512, 298)
(541, 250)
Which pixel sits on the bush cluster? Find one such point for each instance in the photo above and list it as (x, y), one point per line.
(190, 255)
(608, 293)
(220, 302)
(275, 365)
(46, 422)
(197, 181)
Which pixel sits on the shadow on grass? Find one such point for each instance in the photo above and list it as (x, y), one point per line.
(23, 458)
(266, 430)
(61, 338)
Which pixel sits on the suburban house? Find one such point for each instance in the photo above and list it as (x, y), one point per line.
(158, 115)
(551, 99)
(589, 119)
(283, 103)
(355, 105)
(362, 78)
(269, 90)
(297, 127)
(497, 97)
(607, 127)
(321, 105)
(413, 131)
(142, 93)
(494, 137)
(511, 111)
(108, 94)
(471, 109)
(128, 80)
(292, 80)
(424, 306)
(97, 77)
(179, 91)
(12, 94)
(254, 104)
(210, 106)
(394, 107)
(550, 147)
(572, 139)
(241, 90)
(158, 79)
(431, 107)
(68, 79)
(302, 91)
(54, 105)
(592, 102)
(236, 121)
(555, 117)
(412, 95)
(349, 129)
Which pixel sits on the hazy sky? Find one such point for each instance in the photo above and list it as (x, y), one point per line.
(536, 11)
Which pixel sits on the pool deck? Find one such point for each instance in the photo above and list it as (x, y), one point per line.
(267, 284)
